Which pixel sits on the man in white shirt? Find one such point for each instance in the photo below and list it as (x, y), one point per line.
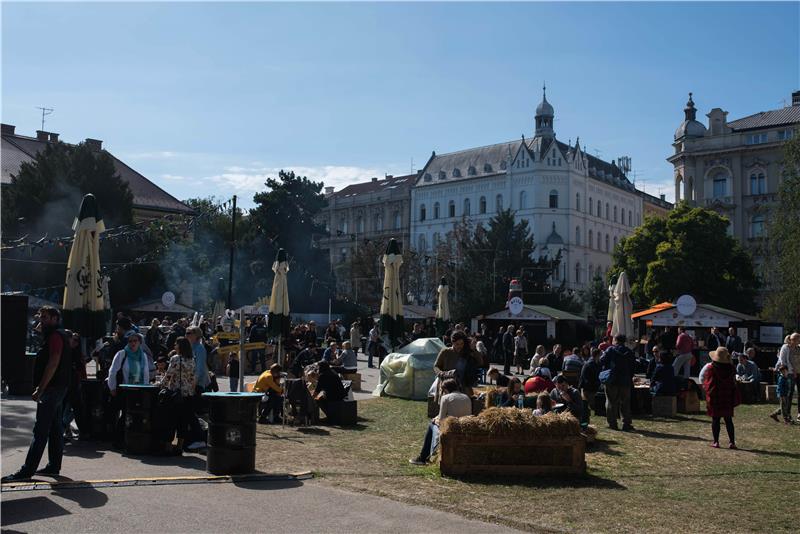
(372, 346)
(452, 404)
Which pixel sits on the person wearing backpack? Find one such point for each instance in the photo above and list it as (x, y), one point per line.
(616, 374)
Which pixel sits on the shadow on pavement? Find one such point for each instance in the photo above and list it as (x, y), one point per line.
(29, 509)
(84, 497)
(268, 484)
(187, 461)
(17, 422)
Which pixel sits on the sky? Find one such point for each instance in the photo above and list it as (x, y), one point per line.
(211, 99)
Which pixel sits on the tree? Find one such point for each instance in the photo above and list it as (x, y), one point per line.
(688, 252)
(595, 298)
(783, 258)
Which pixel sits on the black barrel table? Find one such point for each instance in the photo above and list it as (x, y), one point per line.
(232, 432)
(93, 403)
(141, 407)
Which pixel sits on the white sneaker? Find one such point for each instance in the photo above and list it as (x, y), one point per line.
(196, 445)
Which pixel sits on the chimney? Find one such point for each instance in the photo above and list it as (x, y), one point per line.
(94, 144)
(329, 190)
(663, 196)
(53, 137)
(374, 179)
(796, 98)
(8, 129)
(41, 135)
(389, 176)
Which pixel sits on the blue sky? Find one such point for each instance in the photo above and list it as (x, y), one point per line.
(210, 99)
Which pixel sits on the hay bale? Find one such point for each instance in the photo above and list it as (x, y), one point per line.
(513, 422)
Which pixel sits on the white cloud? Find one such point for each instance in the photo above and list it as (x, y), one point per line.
(157, 155)
(174, 177)
(251, 179)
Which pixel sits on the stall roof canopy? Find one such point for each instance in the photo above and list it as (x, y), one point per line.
(666, 307)
(536, 312)
(411, 311)
(155, 306)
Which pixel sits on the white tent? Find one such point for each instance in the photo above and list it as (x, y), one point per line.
(408, 373)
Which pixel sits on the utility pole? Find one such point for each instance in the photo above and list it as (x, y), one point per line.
(233, 248)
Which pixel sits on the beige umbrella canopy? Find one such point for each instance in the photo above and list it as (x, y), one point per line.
(392, 302)
(610, 315)
(623, 308)
(442, 308)
(84, 297)
(279, 319)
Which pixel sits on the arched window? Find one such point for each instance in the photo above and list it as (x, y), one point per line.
(451, 209)
(578, 201)
(554, 198)
(630, 218)
(466, 207)
(343, 226)
(599, 210)
(422, 212)
(758, 183)
(523, 200)
(436, 213)
(498, 203)
(422, 244)
(578, 273)
(622, 215)
(379, 223)
(435, 240)
(398, 222)
(720, 184)
(615, 242)
(615, 214)
(482, 205)
(607, 249)
(591, 238)
(608, 218)
(360, 224)
(456, 173)
(578, 235)
(757, 225)
(591, 206)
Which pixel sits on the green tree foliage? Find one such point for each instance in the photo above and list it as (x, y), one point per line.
(691, 252)
(595, 298)
(783, 260)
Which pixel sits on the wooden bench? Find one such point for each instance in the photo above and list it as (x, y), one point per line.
(665, 406)
(688, 402)
(355, 380)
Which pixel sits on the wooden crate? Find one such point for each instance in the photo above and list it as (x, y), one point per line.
(665, 406)
(770, 392)
(355, 378)
(688, 402)
(510, 455)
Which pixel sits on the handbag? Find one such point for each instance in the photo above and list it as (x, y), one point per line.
(171, 397)
(605, 376)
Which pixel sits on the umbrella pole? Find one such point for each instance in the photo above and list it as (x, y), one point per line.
(241, 349)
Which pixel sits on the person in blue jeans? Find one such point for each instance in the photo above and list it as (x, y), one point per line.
(51, 377)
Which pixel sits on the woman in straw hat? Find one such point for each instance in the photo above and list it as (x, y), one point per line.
(722, 395)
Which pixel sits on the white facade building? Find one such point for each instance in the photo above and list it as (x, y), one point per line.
(573, 202)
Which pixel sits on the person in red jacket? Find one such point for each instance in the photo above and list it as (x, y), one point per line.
(539, 382)
(722, 395)
(684, 346)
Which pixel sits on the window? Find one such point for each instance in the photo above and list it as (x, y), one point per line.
(343, 255)
(422, 212)
(498, 203)
(599, 209)
(758, 184)
(442, 175)
(428, 177)
(720, 185)
(591, 206)
(456, 173)
(553, 198)
(559, 162)
(422, 244)
(578, 201)
(757, 225)
(343, 226)
(756, 138)
(615, 241)
(503, 165)
(577, 273)
(615, 214)
(436, 213)
(466, 207)
(785, 135)
(379, 223)
(451, 209)
(622, 215)
(487, 167)
(471, 171)
(630, 218)
(607, 243)
(436, 240)
(482, 205)
(591, 239)
(607, 212)
(523, 200)
(578, 235)
(398, 222)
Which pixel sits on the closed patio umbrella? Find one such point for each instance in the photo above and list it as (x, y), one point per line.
(442, 308)
(84, 299)
(392, 301)
(623, 308)
(278, 321)
(610, 315)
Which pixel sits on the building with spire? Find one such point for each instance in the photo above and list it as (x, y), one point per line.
(575, 203)
(734, 167)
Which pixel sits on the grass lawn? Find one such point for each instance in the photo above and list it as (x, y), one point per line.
(662, 478)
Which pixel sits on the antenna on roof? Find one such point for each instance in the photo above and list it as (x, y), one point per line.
(412, 165)
(597, 153)
(45, 112)
(783, 100)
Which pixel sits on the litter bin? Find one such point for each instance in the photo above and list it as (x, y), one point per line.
(140, 411)
(93, 404)
(231, 432)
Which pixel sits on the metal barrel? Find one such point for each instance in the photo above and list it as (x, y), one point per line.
(141, 403)
(231, 432)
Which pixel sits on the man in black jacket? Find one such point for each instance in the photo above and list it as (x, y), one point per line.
(508, 349)
(619, 361)
(733, 343)
(715, 340)
(589, 383)
(51, 374)
(258, 334)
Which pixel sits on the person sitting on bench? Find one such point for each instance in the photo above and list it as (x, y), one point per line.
(329, 387)
(453, 404)
(272, 401)
(347, 362)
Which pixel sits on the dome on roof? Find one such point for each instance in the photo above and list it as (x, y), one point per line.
(545, 108)
(554, 238)
(690, 129)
